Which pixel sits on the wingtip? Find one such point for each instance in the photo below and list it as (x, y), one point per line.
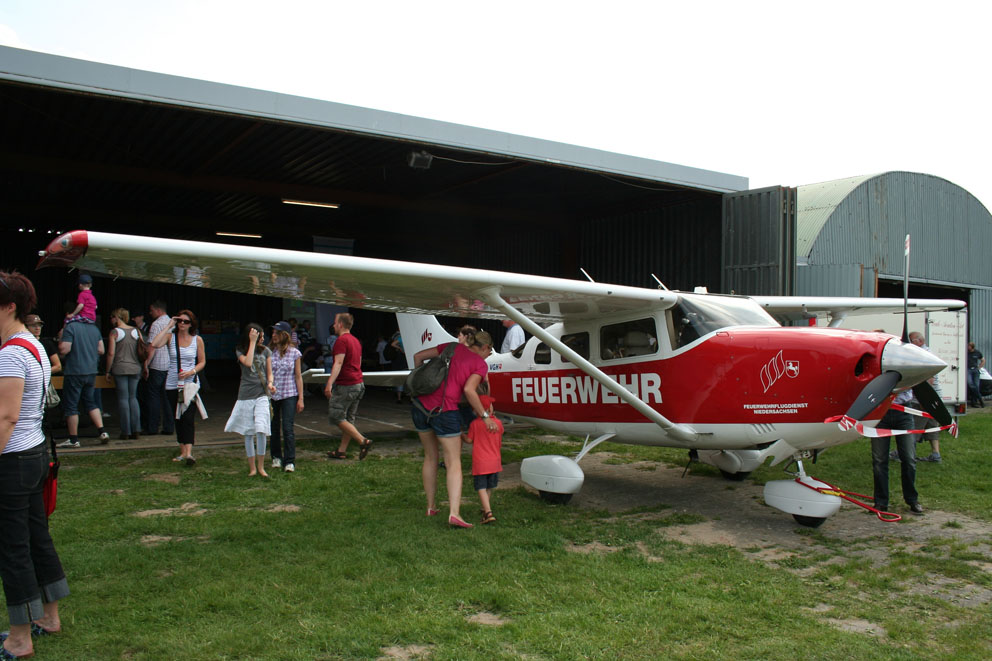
(64, 250)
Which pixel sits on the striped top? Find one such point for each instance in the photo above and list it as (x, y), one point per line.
(18, 363)
(188, 356)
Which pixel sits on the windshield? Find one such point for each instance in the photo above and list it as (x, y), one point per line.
(694, 317)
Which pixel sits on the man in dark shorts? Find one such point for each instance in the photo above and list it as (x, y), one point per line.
(345, 387)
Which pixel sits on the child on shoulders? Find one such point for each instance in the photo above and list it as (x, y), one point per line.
(85, 309)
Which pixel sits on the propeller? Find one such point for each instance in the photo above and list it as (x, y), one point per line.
(931, 403)
(874, 394)
(905, 297)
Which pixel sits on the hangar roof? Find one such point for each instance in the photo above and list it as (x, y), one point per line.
(107, 147)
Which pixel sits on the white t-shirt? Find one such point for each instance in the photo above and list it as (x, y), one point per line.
(514, 338)
(18, 363)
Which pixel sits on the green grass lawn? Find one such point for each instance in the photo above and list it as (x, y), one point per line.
(338, 561)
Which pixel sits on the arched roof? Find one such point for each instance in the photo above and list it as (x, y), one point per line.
(864, 220)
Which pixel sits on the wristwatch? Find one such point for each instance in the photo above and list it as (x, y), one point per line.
(485, 415)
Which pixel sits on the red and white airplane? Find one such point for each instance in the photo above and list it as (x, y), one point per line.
(714, 374)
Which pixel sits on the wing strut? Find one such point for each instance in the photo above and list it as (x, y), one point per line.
(491, 295)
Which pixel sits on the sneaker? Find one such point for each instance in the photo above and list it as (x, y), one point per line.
(289, 468)
(276, 462)
(106, 415)
(933, 458)
(190, 461)
(69, 443)
(104, 438)
(893, 456)
(179, 458)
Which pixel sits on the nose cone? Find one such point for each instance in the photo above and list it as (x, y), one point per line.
(913, 363)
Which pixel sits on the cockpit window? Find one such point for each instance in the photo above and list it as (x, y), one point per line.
(631, 338)
(577, 342)
(692, 318)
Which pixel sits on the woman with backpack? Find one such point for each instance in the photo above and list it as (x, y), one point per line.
(124, 364)
(438, 423)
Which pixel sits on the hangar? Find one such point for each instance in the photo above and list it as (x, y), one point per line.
(101, 147)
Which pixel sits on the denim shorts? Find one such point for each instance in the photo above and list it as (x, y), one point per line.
(77, 389)
(489, 481)
(344, 402)
(444, 424)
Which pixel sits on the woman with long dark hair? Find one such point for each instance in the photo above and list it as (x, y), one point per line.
(251, 417)
(187, 358)
(32, 574)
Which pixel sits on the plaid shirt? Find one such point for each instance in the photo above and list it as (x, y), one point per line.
(284, 373)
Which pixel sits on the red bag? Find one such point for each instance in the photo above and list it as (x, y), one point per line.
(50, 489)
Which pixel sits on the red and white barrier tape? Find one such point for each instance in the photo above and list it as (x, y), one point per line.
(846, 423)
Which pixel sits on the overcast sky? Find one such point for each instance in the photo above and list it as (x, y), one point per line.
(786, 93)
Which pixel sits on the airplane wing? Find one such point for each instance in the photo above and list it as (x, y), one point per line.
(357, 282)
(802, 308)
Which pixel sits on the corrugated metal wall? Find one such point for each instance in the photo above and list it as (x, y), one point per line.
(980, 322)
(759, 245)
(841, 280)
(680, 244)
(868, 220)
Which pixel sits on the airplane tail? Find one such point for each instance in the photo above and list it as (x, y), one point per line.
(420, 331)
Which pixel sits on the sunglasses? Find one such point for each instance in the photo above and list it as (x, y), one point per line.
(183, 321)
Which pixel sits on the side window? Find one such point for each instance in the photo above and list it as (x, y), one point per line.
(542, 354)
(631, 338)
(577, 342)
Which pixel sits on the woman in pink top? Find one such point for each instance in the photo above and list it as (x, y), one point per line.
(440, 427)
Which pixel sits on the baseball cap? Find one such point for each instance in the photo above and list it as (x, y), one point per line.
(32, 319)
(487, 401)
(282, 326)
(85, 279)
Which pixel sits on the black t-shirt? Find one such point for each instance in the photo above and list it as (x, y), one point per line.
(974, 359)
(49, 345)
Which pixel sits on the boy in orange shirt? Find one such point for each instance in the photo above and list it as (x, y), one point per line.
(486, 460)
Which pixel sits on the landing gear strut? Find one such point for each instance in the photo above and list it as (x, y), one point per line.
(807, 506)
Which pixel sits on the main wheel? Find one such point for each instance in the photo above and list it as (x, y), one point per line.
(555, 498)
(809, 521)
(735, 477)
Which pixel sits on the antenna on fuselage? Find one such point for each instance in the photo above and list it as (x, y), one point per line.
(661, 285)
(588, 277)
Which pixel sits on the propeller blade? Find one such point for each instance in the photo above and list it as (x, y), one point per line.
(873, 395)
(931, 403)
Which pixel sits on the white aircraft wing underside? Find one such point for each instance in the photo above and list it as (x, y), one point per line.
(357, 282)
(798, 308)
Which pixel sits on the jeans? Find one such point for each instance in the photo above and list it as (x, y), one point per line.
(974, 385)
(29, 565)
(158, 404)
(127, 402)
(906, 447)
(283, 417)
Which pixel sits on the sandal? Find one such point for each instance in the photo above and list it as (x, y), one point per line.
(487, 517)
(337, 454)
(364, 449)
(432, 512)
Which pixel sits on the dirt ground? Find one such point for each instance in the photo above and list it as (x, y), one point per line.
(736, 515)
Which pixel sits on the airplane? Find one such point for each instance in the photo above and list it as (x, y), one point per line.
(717, 375)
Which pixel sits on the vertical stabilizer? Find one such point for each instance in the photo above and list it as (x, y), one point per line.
(420, 331)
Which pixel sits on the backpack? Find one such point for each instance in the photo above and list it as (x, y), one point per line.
(431, 375)
(390, 353)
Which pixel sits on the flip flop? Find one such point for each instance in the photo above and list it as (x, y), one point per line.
(364, 451)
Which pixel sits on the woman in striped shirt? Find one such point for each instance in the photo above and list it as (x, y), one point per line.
(33, 578)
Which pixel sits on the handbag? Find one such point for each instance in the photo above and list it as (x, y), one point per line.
(52, 399)
(428, 377)
(50, 488)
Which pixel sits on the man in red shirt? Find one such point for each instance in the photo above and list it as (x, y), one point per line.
(345, 387)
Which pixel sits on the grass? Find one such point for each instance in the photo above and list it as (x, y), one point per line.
(358, 569)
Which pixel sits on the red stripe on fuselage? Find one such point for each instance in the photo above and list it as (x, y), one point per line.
(750, 376)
